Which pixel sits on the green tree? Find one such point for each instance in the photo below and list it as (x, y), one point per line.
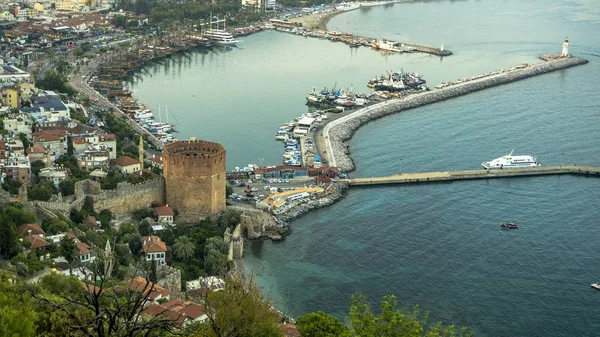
(55, 226)
(184, 247)
(36, 166)
(11, 185)
(105, 216)
(43, 190)
(239, 310)
(68, 249)
(145, 228)
(153, 272)
(8, 239)
(11, 217)
(25, 140)
(67, 187)
(394, 322)
(320, 324)
(17, 310)
(216, 260)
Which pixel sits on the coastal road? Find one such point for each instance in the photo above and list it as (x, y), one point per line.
(80, 84)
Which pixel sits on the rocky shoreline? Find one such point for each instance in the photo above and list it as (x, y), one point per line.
(341, 130)
(337, 194)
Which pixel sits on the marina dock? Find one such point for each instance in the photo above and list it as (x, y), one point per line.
(342, 129)
(426, 177)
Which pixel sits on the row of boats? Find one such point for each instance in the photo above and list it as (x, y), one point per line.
(292, 155)
(161, 130)
(336, 97)
(398, 81)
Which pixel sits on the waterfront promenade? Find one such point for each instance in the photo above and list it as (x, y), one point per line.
(421, 177)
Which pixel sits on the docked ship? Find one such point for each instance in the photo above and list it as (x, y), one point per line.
(219, 36)
(510, 161)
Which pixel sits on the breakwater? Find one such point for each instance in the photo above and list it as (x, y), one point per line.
(424, 177)
(342, 129)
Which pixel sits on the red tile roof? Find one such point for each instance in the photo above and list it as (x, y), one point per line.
(79, 140)
(30, 229)
(290, 330)
(164, 211)
(36, 242)
(141, 284)
(106, 137)
(125, 161)
(70, 234)
(36, 149)
(158, 160)
(83, 248)
(152, 244)
(89, 220)
(49, 135)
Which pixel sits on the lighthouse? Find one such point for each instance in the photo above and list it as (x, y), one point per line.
(565, 50)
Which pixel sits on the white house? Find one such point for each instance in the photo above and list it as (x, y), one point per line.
(155, 249)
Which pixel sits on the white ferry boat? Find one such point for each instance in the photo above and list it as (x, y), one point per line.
(220, 37)
(510, 161)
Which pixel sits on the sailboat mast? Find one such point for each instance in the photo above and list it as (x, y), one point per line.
(167, 113)
(159, 115)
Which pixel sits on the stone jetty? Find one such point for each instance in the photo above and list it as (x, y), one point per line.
(342, 129)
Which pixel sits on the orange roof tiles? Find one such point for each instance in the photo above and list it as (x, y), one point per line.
(36, 242)
(30, 229)
(36, 149)
(49, 135)
(83, 248)
(125, 161)
(141, 284)
(164, 211)
(152, 244)
(79, 140)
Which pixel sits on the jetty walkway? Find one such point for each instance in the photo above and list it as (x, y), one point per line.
(342, 129)
(424, 177)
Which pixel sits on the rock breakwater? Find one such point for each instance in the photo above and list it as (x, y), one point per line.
(341, 130)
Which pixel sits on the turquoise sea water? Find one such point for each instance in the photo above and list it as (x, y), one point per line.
(436, 245)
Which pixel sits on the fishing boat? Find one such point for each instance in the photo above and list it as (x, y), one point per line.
(509, 225)
(596, 286)
(510, 161)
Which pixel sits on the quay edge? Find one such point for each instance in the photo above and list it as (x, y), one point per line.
(341, 130)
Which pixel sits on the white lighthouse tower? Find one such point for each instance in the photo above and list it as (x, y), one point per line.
(565, 50)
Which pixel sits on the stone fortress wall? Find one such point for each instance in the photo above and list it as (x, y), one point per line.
(125, 198)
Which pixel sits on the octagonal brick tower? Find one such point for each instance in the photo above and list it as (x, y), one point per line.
(194, 173)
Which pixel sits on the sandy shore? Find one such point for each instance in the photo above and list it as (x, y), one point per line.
(319, 21)
(316, 21)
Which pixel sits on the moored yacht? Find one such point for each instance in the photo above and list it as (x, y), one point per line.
(510, 161)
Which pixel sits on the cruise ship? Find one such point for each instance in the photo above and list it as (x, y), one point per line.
(510, 161)
(220, 37)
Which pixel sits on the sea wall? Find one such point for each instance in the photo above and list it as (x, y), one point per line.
(342, 129)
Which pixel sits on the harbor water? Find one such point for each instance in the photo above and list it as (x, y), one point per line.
(436, 245)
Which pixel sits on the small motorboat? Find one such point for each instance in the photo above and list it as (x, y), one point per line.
(509, 225)
(596, 286)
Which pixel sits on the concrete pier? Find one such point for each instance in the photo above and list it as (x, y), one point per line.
(425, 177)
(342, 129)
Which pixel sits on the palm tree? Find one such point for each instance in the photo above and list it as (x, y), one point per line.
(184, 248)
